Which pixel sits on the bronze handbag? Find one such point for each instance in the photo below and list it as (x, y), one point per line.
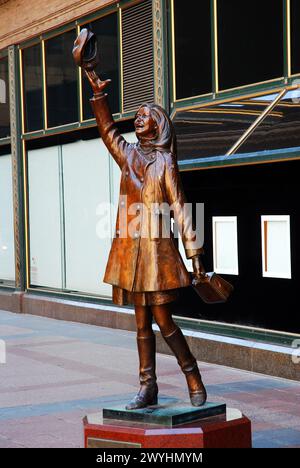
(212, 288)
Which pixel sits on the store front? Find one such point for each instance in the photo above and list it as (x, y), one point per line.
(232, 93)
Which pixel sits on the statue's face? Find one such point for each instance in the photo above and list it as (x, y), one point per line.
(144, 124)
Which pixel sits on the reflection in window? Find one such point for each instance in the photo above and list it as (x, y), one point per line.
(4, 99)
(106, 30)
(280, 129)
(212, 130)
(61, 75)
(276, 246)
(295, 36)
(192, 48)
(250, 41)
(33, 94)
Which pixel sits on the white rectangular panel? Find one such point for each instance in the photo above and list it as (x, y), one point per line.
(7, 253)
(225, 245)
(276, 248)
(45, 218)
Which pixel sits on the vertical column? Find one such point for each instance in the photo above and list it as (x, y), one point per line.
(160, 53)
(17, 166)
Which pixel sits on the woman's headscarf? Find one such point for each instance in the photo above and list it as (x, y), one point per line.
(166, 138)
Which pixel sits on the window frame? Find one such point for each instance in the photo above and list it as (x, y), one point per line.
(287, 77)
(116, 8)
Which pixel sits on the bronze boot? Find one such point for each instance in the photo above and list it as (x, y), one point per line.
(147, 394)
(189, 366)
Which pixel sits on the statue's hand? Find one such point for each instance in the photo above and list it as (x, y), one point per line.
(97, 85)
(199, 270)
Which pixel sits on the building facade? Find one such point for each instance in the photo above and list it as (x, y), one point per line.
(229, 76)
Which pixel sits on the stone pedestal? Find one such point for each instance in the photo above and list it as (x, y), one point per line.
(168, 425)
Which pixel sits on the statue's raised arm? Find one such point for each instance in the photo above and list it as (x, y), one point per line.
(85, 55)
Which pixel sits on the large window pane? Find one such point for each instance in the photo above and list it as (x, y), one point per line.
(192, 47)
(33, 94)
(61, 76)
(295, 35)
(7, 259)
(250, 41)
(106, 30)
(85, 163)
(45, 217)
(280, 129)
(212, 130)
(4, 99)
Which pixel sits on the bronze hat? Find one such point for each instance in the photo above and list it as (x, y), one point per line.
(85, 50)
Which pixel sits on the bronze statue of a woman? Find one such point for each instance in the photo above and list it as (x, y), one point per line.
(147, 270)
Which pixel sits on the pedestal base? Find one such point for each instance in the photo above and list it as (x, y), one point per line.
(228, 430)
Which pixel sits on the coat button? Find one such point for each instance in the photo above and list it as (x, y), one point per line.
(127, 173)
(118, 232)
(142, 179)
(136, 235)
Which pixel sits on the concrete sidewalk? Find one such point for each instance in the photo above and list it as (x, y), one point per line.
(57, 372)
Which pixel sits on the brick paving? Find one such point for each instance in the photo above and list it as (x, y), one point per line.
(57, 372)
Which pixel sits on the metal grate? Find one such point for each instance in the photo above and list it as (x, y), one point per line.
(138, 63)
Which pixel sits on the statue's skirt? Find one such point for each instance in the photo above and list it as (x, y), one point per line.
(124, 297)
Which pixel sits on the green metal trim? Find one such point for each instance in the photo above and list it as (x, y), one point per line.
(7, 288)
(5, 141)
(30, 43)
(97, 14)
(127, 3)
(59, 31)
(240, 159)
(237, 331)
(71, 296)
(71, 127)
(164, 31)
(213, 47)
(285, 39)
(238, 92)
(3, 53)
(17, 167)
(170, 55)
(120, 40)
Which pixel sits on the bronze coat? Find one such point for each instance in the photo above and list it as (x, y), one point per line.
(140, 262)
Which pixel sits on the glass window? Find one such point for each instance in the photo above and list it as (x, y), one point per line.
(70, 230)
(295, 36)
(250, 41)
(225, 245)
(61, 75)
(45, 217)
(280, 129)
(276, 246)
(33, 93)
(4, 99)
(192, 48)
(84, 162)
(106, 30)
(7, 253)
(212, 130)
